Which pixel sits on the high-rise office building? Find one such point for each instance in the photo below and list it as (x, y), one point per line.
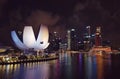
(72, 40)
(98, 38)
(68, 40)
(87, 38)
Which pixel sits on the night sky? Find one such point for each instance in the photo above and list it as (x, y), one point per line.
(60, 15)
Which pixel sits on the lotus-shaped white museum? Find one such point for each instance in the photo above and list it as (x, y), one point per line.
(29, 40)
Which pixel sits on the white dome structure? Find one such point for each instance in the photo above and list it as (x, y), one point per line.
(29, 40)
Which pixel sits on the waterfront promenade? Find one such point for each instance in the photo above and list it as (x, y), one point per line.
(27, 60)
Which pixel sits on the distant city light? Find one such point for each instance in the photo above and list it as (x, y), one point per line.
(65, 44)
(79, 42)
(87, 36)
(74, 35)
(68, 31)
(60, 43)
(93, 35)
(55, 32)
(19, 32)
(88, 27)
(72, 29)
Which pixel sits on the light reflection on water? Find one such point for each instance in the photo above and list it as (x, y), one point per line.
(68, 66)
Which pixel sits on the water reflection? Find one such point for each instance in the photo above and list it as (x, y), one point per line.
(68, 66)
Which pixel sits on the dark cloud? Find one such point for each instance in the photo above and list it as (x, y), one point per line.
(2, 3)
(41, 17)
(79, 6)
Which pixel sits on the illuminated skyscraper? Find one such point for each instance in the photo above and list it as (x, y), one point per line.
(69, 39)
(87, 38)
(72, 39)
(98, 39)
(99, 49)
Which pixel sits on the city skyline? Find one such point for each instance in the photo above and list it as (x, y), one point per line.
(59, 39)
(60, 16)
